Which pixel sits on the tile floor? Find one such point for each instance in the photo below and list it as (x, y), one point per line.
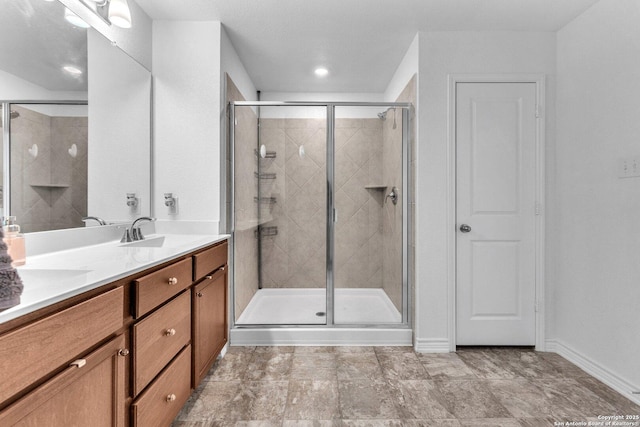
(394, 386)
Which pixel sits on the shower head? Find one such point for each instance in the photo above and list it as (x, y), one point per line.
(14, 114)
(383, 115)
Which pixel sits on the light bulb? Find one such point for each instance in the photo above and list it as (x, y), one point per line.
(119, 13)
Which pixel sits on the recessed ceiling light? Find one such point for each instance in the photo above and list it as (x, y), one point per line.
(321, 72)
(74, 19)
(74, 71)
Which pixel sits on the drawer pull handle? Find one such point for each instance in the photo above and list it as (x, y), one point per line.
(170, 332)
(79, 363)
(171, 397)
(199, 294)
(173, 280)
(123, 352)
(209, 277)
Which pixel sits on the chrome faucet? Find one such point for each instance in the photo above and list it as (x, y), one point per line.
(95, 218)
(134, 232)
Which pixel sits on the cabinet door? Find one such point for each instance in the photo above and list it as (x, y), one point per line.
(209, 322)
(89, 393)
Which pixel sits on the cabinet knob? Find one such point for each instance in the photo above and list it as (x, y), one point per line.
(173, 280)
(171, 397)
(199, 294)
(209, 277)
(170, 332)
(222, 268)
(123, 352)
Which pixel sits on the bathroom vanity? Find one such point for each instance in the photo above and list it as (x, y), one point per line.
(120, 337)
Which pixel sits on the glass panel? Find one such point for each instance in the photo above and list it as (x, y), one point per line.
(280, 215)
(368, 235)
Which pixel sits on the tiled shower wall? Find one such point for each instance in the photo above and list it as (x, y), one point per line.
(296, 256)
(246, 212)
(48, 192)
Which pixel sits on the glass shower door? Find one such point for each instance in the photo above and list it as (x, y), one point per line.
(368, 198)
(280, 210)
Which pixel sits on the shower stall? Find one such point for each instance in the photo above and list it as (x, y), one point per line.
(320, 200)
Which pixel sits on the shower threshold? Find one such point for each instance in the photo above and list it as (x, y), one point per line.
(361, 309)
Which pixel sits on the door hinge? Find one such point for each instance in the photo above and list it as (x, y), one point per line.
(537, 111)
(538, 208)
(536, 306)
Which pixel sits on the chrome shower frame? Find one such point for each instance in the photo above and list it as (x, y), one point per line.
(407, 200)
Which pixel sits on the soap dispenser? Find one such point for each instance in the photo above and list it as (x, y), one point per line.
(14, 241)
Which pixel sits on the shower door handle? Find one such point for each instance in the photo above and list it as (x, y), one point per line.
(335, 215)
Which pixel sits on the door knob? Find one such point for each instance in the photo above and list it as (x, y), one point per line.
(465, 228)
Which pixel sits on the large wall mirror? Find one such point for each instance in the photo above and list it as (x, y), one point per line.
(76, 121)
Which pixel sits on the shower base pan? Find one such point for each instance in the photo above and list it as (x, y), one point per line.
(305, 308)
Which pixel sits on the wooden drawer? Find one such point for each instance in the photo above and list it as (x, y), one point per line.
(92, 394)
(159, 286)
(158, 338)
(33, 351)
(209, 260)
(161, 402)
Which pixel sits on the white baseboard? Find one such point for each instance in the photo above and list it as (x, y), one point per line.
(432, 345)
(603, 374)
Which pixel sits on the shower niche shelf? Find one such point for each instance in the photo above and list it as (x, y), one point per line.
(50, 185)
(378, 187)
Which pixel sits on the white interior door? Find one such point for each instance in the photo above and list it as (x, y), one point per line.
(496, 183)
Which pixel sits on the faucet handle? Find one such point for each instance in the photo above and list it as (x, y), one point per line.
(126, 237)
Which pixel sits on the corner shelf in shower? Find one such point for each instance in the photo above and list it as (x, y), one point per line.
(251, 224)
(50, 185)
(379, 187)
(265, 175)
(264, 200)
(269, 155)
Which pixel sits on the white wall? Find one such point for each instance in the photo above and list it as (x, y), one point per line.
(14, 88)
(119, 159)
(598, 276)
(186, 66)
(442, 53)
(406, 69)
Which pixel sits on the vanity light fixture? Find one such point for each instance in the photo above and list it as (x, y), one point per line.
(321, 72)
(74, 19)
(114, 12)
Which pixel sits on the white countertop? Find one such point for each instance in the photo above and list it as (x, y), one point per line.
(54, 277)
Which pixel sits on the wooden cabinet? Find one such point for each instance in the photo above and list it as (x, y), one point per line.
(209, 322)
(126, 353)
(89, 392)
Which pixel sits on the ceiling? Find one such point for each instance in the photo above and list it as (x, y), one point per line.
(37, 42)
(361, 42)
